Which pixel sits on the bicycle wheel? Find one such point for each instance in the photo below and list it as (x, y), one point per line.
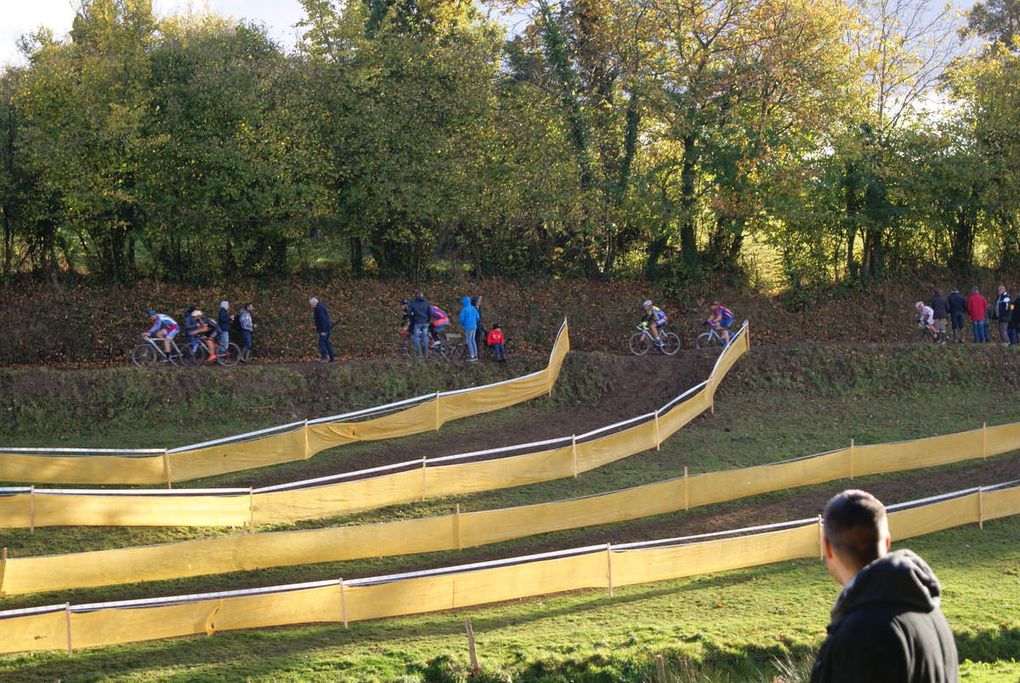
(145, 355)
(639, 343)
(704, 340)
(200, 356)
(228, 358)
(670, 343)
(177, 358)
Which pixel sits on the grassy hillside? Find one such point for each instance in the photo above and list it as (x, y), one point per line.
(735, 626)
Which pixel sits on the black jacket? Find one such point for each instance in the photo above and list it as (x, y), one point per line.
(420, 312)
(887, 626)
(940, 306)
(322, 322)
(957, 304)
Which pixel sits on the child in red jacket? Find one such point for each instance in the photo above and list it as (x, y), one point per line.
(495, 340)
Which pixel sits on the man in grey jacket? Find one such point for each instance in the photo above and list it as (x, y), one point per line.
(886, 624)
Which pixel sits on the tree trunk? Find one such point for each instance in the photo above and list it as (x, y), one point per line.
(688, 201)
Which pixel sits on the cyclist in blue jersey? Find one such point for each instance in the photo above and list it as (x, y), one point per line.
(721, 320)
(163, 327)
(655, 318)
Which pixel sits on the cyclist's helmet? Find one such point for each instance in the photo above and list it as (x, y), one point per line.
(151, 313)
(716, 304)
(647, 304)
(404, 302)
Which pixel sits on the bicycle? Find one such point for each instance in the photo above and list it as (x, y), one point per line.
(642, 340)
(440, 344)
(713, 337)
(928, 332)
(149, 353)
(228, 359)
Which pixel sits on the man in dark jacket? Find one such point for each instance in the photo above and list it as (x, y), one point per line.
(940, 311)
(886, 624)
(957, 307)
(323, 328)
(1003, 310)
(420, 320)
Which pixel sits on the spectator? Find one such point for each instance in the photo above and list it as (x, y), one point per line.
(940, 309)
(957, 307)
(481, 334)
(191, 330)
(977, 308)
(1003, 309)
(1014, 325)
(223, 320)
(324, 328)
(496, 341)
(421, 318)
(247, 327)
(469, 321)
(886, 624)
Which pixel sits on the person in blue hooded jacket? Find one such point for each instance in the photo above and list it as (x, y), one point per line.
(469, 321)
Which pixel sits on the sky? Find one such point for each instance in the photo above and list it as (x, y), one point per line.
(18, 17)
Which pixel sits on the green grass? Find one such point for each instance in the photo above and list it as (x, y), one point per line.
(735, 626)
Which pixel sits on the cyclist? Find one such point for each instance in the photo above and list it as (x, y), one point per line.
(163, 327)
(440, 321)
(208, 332)
(655, 319)
(720, 320)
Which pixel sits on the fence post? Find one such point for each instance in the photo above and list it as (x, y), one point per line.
(3, 569)
(475, 669)
(423, 475)
(980, 509)
(31, 509)
(660, 669)
(573, 452)
(308, 447)
(821, 539)
(658, 439)
(438, 424)
(456, 528)
(67, 620)
(251, 509)
(166, 470)
(609, 567)
(687, 491)
(851, 458)
(343, 602)
(984, 440)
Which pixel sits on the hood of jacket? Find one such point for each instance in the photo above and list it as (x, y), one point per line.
(901, 577)
(465, 302)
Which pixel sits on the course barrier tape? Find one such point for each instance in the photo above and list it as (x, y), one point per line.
(355, 492)
(274, 445)
(247, 552)
(70, 627)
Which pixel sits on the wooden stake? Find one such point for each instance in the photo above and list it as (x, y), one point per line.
(308, 446)
(658, 440)
(166, 470)
(980, 509)
(251, 509)
(423, 475)
(3, 569)
(456, 528)
(821, 539)
(660, 669)
(687, 491)
(609, 567)
(573, 452)
(343, 603)
(437, 411)
(475, 669)
(31, 510)
(851, 458)
(984, 440)
(67, 619)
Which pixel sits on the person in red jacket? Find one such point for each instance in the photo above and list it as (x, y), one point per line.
(977, 309)
(496, 341)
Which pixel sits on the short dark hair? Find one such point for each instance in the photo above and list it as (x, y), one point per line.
(853, 524)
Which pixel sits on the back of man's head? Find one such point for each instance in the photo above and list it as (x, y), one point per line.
(856, 527)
